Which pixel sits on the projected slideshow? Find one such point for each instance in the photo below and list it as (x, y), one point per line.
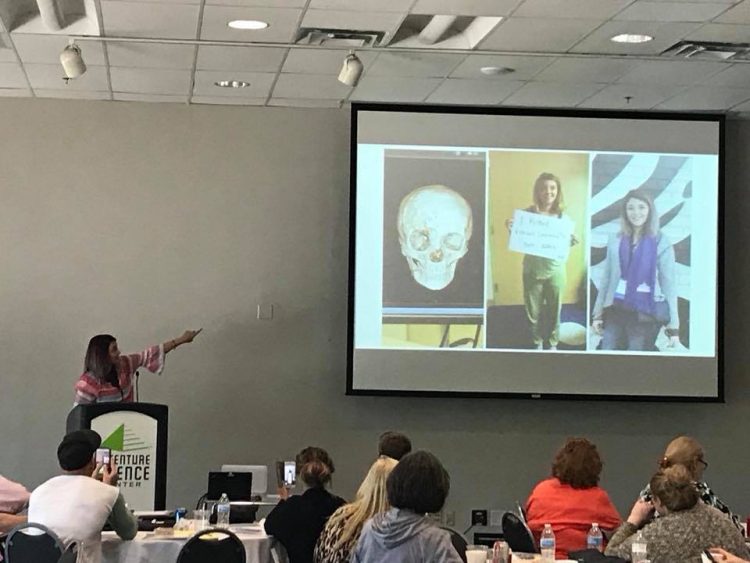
(536, 263)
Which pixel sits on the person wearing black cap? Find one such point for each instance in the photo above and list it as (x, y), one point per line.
(76, 505)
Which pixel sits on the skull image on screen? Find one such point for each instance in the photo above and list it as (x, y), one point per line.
(434, 228)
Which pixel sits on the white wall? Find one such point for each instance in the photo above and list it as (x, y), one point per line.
(143, 220)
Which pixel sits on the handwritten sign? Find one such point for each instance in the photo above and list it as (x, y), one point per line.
(541, 235)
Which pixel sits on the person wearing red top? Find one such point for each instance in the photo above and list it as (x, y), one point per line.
(108, 375)
(571, 499)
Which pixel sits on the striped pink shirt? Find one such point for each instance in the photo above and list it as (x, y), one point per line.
(90, 389)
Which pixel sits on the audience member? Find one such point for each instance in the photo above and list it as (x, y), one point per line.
(75, 505)
(688, 452)
(13, 499)
(394, 444)
(342, 531)
(417, 485)
(298, 521)
(686, 527)
(571, 499)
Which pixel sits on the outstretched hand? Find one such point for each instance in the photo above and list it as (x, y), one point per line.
(189, 335)
(723, 555)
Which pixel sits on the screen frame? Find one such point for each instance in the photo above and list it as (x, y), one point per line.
(720, 119)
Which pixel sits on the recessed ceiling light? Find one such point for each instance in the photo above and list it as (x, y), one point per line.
(247, 24)
(232, 84)
(631, 38)
(496, 70)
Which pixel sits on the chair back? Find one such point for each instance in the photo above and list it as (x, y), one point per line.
(33, 543)
(219, 545)
(517, 534)
(459, 543)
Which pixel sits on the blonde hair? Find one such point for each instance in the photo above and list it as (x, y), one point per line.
(685, 451)
(371, 499)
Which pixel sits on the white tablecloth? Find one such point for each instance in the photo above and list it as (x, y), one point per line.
(149, 548)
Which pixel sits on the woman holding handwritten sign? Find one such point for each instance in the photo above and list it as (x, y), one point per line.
(544, 277)
(638, 292)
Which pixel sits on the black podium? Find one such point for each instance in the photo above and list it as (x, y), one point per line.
(137, 435)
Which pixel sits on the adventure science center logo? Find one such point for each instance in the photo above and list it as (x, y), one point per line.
(133, 456)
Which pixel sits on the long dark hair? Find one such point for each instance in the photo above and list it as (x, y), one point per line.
(558, 205)
(97, 361)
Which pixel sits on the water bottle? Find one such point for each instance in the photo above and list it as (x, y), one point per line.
(595, 539)
(222, 512)
(547, 544)
(639, 549)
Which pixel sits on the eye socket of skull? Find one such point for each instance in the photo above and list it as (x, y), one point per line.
(454, 241)
(419, 240)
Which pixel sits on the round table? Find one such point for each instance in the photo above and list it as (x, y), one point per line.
(148, 547)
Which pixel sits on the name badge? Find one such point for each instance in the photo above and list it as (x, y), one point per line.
(621, 288)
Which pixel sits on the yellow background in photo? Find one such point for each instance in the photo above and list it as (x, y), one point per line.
(511, 187)
(428, 335)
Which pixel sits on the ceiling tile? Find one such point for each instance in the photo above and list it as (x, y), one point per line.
(12, 75)
(706, 98)
(585, 70)
(71, 94)
(468, 92)
(665, 35)
(643, 10)
(678, 72)
(150, 81)
(538, 34)
(15, 92)
(394, 89)
(547, 94)
(259, 3)
(740, 13)
(226, 101)
(282, 23)
(323, 86)
(260, 84)
(50, 77)
(415, 64)
(525, 66)
(303, 103)
(156, 98)
(465, 7)
(47, 49)
(150, 19)
(722, 32)
(363, 5)
(250, 59)
(151, 55)
(629, 96)
(733, 76)
(349, 19)
(591, 9)
(321, 61)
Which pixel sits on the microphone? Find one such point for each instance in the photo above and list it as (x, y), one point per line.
(137, 375)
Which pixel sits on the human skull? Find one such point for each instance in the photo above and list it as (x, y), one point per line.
(434, 228)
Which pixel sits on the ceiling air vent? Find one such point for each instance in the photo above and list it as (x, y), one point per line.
(338, 37)
(443, 31)
(709, 51)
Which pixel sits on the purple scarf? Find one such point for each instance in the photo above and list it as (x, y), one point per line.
(638, 269)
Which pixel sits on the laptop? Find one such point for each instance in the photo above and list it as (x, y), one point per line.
(237, 486)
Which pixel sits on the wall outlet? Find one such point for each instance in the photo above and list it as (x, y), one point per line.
(478, 517)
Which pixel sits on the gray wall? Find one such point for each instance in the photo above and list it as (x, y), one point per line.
(144, 220)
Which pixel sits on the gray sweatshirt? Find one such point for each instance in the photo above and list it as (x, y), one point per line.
(401, 536)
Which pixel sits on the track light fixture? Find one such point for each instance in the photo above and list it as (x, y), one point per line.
(72, 62)
(352, 69)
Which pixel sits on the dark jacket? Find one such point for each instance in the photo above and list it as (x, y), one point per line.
(298, 522)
